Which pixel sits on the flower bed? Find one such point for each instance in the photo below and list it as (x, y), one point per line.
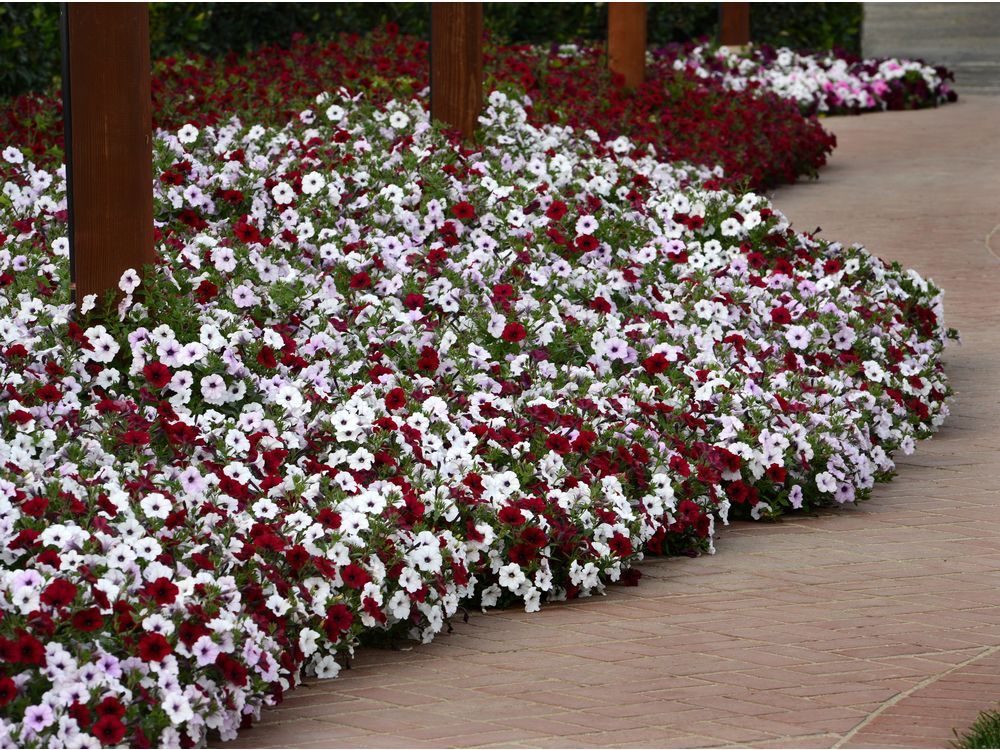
(828, 83)
(757, 137)
(376, 374)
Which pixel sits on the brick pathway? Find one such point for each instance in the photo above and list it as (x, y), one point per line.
(869, 626)
(962, 36)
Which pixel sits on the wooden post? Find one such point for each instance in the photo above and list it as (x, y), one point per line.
(107, 104)
(627, 41)
(734, 24)
(457, 65)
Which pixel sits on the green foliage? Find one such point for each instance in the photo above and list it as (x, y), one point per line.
(984, 733)
(808, 26)
(30, 54)
(30, 49)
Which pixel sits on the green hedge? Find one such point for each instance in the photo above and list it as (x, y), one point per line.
(30, 52)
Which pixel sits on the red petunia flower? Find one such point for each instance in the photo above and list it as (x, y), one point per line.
(355, 576)
(110, 706)
(8, 690)
(48, 393)
(88, 620)
(329, 518)
(233, 671)
(463, 211)
(339, 620)
(157, 374)
(162, 591)
(556, 210)
(513, 332)
(35, 507)
(509, 514)
(59, 593)
(534, 537)
(361, 280)
(413, 301)
(558, 443)
(109, 730)
(266, 358)
(29, 650)
(154, 647)
(135, 437)
(781, 316)
(395, 399)
(429, 360)
(656, 364)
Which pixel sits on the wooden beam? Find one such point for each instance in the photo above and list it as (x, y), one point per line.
(107, 103)
(734, 24)
(627, 41)
(457, 65)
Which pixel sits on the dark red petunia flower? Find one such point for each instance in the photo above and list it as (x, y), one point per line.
(586, 243)
(35, 507)
(8, 690)
(511, 515)
(355, 576)
(48, 393)
(29, 650)
(513, 332)
(88, 620)
(556, 210)
(109, 730)
(135, 437)
(154, 647)
(395, 399)
(781, 316)
(59, 593)
(534, 536)
(157, 374)
(429, 360)
(463, 211)
(361, 280)
(266, 358)
(413, 301)
(81, 714)
(558, 443)
(162, 591)
(110, 706)
(656, 364)
(329, 518)
(339, 620)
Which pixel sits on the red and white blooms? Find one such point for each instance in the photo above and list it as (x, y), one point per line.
(376, 374)
(825, 82)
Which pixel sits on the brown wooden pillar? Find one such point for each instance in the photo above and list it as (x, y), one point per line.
(107, 103)
(734, 24)
(457, 65)
(627, 41)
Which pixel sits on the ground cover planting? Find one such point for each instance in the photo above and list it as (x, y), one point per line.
(377, 374)
(826, 83)
(757, 137)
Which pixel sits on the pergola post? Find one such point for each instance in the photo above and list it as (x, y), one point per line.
(734, 24)
(457, 65)
(107, 105)
(627, 41)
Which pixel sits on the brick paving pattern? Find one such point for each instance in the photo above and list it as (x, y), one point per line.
(868, 626)
(962, 36)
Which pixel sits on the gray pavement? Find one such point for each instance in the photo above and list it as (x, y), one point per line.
(963, 36)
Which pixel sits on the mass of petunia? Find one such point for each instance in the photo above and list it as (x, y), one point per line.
(376, 374)
(756, 136)
(828, 82)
